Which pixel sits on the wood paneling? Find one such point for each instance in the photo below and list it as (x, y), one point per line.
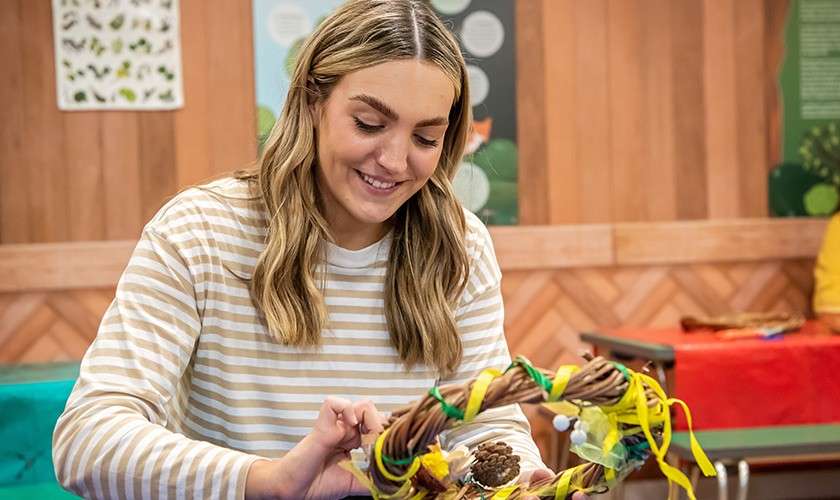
(717, 241)
(530, 113)
(79, 176)
(549, 247)
(60, 266)
(652, 110)
(544, 308)
(14, 222)
(55, 326)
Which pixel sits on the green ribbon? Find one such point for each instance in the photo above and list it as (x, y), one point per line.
(538, 377)
(448, 409)
(403, 461)
(623, 369)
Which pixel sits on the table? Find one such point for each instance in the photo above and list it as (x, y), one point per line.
(744, 384)
(738, 445)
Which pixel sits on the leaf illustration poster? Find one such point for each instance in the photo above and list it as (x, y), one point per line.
(117, 54)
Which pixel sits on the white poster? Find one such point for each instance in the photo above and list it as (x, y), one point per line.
(117, 54)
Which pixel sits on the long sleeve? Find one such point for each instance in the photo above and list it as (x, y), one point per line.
(118, 436)
(480, 319)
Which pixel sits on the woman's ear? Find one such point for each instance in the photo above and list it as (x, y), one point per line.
(316, 107)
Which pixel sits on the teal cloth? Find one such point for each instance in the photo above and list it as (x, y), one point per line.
(40, 491)
(31, 399)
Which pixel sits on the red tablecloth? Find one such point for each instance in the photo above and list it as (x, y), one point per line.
(794, 379)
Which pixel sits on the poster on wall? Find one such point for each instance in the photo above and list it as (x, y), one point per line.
(117, 54)
(487, 178)
(807, 183)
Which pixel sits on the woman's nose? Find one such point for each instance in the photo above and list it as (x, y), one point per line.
(393, 156)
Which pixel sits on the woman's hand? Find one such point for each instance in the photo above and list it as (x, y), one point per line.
(537, 475)
(311, 469)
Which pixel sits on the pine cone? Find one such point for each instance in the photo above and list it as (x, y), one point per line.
(495, 464)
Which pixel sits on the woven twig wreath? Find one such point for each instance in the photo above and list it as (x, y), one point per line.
(621, 418)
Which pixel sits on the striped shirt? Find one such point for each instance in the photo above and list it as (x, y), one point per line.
(183, 387)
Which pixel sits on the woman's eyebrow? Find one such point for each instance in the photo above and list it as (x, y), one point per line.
(389, 113)
(378, 105)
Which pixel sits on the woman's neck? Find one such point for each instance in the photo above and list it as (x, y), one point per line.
(353, 235)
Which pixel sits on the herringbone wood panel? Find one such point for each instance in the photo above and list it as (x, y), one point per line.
(50, 326)
(546, 309)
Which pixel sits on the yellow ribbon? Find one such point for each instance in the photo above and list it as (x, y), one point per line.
(561, 380)
(479, 389)
(613, 436)
(696, 450)
(367, 483)
(609, 475)
(633, 409)
(505, 492)
(564, 483)
(412, 469)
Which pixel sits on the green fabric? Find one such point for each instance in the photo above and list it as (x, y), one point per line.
(40, 491)
(31, 399)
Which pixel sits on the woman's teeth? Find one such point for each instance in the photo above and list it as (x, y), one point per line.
(377, 184)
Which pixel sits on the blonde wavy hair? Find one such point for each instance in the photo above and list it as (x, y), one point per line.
(428, 266)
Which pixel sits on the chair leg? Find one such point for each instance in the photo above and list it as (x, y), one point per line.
(660, 374)
(673, 490)
(694, 477)
(723, 484)
(743, 479)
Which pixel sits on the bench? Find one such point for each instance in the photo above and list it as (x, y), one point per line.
(31, 399)
(738, 446)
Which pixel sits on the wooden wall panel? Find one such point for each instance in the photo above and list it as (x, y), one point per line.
(564, 175)
(53, 326)
(753, 135)
(158, 176)
(81, 176)
(546, 309)
(530, 113)
(191, 122)
(121, 173)
(83, 168)
(691, 177)
(43, 129)
(230, 61)
(592, 114)
(653, 110)
(14, 222)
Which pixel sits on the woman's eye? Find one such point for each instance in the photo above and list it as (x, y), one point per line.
(366, 127)
(429, 143)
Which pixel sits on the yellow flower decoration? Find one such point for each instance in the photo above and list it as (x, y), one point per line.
(435, 462)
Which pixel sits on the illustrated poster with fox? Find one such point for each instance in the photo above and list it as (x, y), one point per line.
(487, 179)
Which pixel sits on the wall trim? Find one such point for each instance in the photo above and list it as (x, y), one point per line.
(95, 264)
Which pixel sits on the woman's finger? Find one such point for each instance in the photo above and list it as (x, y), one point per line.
(368, 416)
(341, 408)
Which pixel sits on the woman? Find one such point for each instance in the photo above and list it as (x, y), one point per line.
(342, 270)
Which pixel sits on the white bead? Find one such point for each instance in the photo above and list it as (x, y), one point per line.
(578, 437)
(561, 423)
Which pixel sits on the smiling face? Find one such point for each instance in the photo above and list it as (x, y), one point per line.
(380, 135)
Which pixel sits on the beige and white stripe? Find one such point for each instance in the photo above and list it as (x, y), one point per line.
(183, 388)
